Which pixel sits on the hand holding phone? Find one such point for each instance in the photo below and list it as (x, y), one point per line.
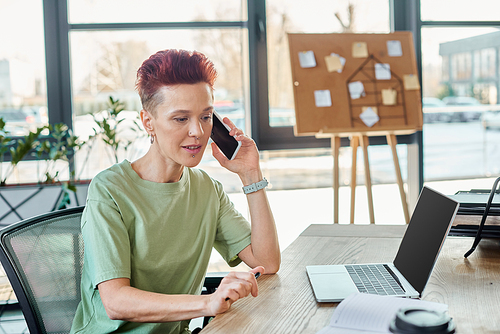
(220, 135)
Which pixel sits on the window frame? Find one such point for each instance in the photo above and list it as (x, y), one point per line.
(405, 15)
(57, 51)
(274, 138)
(410, 11)
(59, 92)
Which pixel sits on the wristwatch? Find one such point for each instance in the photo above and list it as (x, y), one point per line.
(255, 186)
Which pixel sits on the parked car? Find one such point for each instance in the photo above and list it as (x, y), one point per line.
(490, 120)
(19, 121)
(461, 115)
(435, 110)
(432, 102)
(36, 114)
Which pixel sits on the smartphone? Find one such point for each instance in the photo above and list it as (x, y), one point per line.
(220, 135)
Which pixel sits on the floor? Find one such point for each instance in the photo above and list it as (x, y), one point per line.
(293, 210)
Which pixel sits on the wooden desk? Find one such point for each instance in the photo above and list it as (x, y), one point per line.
(471, 287)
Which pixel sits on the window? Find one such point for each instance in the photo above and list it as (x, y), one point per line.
(461, 64)
(317, 16)
(105, 47)
(459, 70)
(263, 54)
(104, 63)
(445, 68)
(487, 61)
(23, 99)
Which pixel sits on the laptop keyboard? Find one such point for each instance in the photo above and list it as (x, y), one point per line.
(375, 279)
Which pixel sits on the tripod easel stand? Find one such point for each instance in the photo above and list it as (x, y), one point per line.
(358, 139)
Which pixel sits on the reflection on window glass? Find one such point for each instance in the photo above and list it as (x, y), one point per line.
(23, 98)
(113, 11)
(315, 16)
(460, 100)
(105, 64)
(459, 10)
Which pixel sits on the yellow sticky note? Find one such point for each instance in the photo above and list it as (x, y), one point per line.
(359, 50)
(389, 97)
(333, 63)
(410, 82)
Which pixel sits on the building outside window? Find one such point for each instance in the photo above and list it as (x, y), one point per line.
(460, 77)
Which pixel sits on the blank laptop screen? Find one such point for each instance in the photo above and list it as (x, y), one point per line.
(424, 237)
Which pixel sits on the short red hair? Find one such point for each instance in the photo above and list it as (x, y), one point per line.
(172, 67)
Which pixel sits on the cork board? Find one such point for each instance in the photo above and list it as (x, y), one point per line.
(355, 83)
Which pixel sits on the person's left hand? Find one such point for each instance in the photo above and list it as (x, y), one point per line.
(247, 158)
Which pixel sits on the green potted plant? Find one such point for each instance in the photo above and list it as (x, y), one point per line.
(110, 129)
(51, 145)
(54, 148)
(60, 145)
(18, 149)
(5, 142)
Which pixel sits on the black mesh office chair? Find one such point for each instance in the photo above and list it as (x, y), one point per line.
(43, 258)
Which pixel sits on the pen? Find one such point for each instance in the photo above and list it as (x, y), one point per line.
(257, 275)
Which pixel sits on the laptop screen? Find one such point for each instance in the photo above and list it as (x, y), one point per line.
(420, 246)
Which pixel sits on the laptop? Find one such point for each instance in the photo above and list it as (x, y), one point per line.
(408, 274)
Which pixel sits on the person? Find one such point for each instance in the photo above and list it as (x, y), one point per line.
(149, 226)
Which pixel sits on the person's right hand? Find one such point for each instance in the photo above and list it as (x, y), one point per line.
(234, 286)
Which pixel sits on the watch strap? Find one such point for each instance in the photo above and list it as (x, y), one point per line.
(255, 186)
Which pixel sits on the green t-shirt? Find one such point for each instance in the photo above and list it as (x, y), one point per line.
(159, 235)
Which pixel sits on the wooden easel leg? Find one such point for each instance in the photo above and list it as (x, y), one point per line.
(335, 142)
(392, 141)
(368, 180)
(354, 146)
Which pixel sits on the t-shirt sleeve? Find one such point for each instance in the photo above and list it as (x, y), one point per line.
(233, 230)
(106, 239)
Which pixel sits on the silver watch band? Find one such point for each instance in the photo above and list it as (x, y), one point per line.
(255, 186)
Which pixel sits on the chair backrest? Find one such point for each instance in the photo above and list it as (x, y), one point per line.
(43, 258)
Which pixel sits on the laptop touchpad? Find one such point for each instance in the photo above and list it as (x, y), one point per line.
(332, 286)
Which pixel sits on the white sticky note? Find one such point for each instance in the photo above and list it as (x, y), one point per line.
(369, 116)
(356, 89)
(394, 49)
(306, 59)
(382, 71)
(322, 98)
